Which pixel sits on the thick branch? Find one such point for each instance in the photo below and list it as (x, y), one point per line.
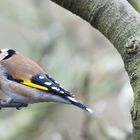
(120, 23)
(108, 16)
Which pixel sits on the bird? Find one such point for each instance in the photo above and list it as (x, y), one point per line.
(25, 82)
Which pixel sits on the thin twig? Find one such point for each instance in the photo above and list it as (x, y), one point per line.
(4, 104)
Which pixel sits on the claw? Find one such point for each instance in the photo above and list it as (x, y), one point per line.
(21, 105)
(18, 108)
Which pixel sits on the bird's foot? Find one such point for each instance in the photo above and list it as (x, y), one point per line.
(20, 105)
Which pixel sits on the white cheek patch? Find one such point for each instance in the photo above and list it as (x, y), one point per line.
(4, 50)
(3, 55)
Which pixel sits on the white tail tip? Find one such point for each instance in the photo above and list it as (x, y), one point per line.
(89, 110)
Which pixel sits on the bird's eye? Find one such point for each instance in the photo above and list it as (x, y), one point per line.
(0, 51)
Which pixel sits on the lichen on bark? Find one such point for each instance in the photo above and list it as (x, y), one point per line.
(120, 23)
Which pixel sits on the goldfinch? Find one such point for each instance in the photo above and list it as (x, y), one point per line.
(25, 82)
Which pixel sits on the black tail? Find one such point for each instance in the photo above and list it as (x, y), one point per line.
(80, 105)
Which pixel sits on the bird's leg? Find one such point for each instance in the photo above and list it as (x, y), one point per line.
(5, 103)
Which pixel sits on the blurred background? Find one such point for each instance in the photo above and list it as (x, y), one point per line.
(81, 59)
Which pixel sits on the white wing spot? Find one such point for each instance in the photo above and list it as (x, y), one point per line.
(56, 82)
(61, 91)
(41, 77)
(54, 87)
(49, 76)
(60, 86)
(58, 89)
(48, 83)
(72, 99)
(72, 94)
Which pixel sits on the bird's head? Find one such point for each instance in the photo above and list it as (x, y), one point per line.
(6, 53)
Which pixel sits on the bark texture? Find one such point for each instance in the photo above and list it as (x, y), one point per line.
(120, 23)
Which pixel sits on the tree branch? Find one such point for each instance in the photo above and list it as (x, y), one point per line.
(5, 104)
(120, 23)
(109, 16)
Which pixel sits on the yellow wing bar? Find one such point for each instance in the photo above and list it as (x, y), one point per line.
(30, 84)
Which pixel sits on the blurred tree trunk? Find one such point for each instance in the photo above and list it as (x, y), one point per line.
(135, 4)
(120, 23)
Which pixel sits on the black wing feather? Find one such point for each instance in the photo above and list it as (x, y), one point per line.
(52, 85)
